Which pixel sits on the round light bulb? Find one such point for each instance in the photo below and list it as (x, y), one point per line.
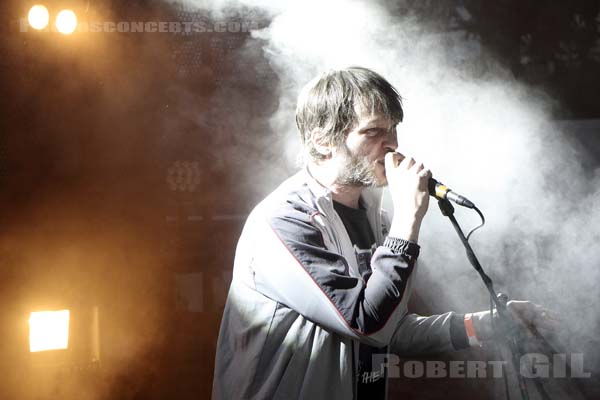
(38, 17)
(66, 22)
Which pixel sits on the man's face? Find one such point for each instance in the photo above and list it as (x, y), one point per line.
(360, 160)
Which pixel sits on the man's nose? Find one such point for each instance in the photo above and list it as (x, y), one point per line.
(391, 140)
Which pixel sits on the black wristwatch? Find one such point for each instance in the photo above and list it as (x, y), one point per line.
(401, 246)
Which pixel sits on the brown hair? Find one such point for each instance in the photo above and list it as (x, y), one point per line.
(331, 102)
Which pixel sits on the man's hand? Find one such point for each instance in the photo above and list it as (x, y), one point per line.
(407, 182)
(528, 315)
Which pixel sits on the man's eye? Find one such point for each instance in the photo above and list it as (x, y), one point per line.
(373, 132)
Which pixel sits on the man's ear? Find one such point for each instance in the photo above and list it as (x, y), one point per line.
(321, 142)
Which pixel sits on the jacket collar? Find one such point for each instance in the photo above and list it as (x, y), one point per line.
(370, 197)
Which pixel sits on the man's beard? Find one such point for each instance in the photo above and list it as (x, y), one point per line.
(356, 170)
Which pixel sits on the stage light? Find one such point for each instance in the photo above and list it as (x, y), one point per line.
(48, 330)
(66, 22)
(38, 17)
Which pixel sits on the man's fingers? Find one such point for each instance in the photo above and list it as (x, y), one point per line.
(551, 315)
(421, 170)
(546, 319)
(524, 310)
(532, 314)
(407, 163)
(425, 173)
(391, 160)
(418, 167)
(398, 160)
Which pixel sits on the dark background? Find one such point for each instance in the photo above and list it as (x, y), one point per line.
(118, 191)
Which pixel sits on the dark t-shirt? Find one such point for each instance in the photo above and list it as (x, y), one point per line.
(371, 378)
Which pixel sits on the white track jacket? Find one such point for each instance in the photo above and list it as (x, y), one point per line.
(297, 306)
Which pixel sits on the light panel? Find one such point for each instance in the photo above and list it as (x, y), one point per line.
(48, 330)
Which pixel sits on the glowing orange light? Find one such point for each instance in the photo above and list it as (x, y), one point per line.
(48, 330)
(38, 17)
(66, 22)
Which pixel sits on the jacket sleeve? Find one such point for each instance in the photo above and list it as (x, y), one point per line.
(419, 335)
(291, 264)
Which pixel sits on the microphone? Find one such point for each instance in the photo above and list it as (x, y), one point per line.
(441, 192)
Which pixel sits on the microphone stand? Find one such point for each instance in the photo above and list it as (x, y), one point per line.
(505, 328)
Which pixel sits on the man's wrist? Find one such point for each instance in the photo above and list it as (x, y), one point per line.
(470, 330)
(406, 230)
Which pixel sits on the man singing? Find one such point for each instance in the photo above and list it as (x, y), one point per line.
(322, 275)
